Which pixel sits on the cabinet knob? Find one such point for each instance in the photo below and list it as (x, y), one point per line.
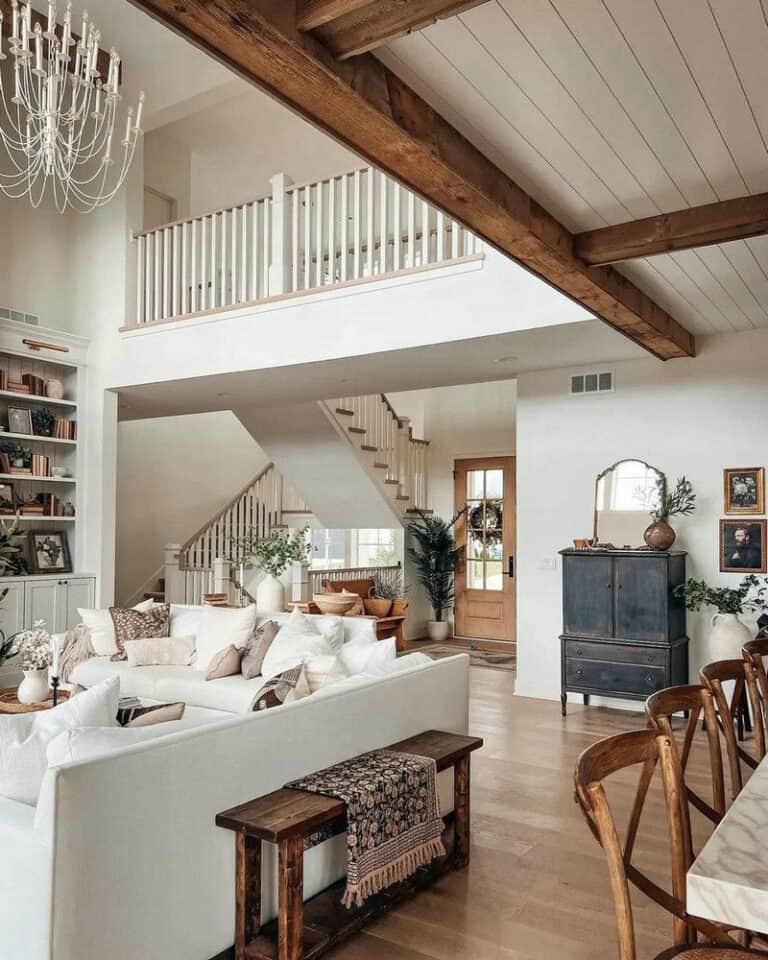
(651, 659)
(608, 586)
(579, 652)
(579, 673)
(649, 680)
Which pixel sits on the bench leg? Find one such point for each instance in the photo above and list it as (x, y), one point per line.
(461, 811)
(247, 892)
(291, 898)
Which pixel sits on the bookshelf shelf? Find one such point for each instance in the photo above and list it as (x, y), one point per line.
(34, 398)
(34, 438)
(22, 477)
(37, 518)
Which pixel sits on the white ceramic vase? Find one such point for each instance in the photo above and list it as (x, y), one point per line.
(34, 687)
(728, 636)
(438, 630)
(270, 595)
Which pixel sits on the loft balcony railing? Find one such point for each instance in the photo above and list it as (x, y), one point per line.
(358, 226)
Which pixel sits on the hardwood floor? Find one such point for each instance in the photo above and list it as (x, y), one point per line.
(537, 885)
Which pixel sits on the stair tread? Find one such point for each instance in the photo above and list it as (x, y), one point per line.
(402, 496)
(344, 412)
(154, 595)
(368, 447)
(419, 510)
(357, 429)
(382, 466)
(393, 482)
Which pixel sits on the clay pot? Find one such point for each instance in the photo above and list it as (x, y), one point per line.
(660, 536)
(399, 606)
(377, 606)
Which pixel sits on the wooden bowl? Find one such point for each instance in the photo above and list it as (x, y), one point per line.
(336, 604)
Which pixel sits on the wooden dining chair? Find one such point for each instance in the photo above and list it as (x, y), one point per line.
(697, 701)
(714, 675)
(753, 653)
(648, 749)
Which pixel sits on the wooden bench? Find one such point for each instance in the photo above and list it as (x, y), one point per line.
(304, 931)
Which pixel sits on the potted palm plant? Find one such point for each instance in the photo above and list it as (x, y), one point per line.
(435, 557)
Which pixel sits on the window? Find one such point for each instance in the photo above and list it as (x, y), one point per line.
(376, 548)
(329, 548)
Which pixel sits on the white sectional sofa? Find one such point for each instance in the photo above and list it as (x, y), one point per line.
(121, 857)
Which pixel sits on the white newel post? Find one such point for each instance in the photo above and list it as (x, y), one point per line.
(300, 582)
(222, 582)
(280, 261)
(403, 450)
(175, 580)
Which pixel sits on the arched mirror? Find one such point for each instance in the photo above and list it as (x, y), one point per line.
(625, 494)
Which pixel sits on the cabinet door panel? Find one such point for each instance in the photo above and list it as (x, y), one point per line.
(42, 603)
(79, 594)
(641, 598)
(11, 621)
(588, 596)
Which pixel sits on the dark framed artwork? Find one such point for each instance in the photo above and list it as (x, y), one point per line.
(744, 490)
(49, 551)
(7, 499)
(742, 546)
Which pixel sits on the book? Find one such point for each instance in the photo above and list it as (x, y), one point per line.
(16, 387)
(35, 385)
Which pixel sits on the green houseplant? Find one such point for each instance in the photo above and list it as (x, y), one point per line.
(273, 555)
(43, 421)
(681, 501)
(729, 633)
(18, 454)
(432, 550)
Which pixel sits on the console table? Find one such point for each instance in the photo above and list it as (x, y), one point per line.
(304, 931)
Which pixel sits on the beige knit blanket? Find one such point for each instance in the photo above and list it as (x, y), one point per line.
(393, 817)
(77, 649)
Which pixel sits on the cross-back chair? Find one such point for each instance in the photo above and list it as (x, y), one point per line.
(648, 749)
(713, 676)
(696, 700)
(753, 653)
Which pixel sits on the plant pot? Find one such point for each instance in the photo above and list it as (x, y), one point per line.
(399, 606)
(34, 687)
(660, 536)
(270, 595)
(377, 606)
(438, 630)
(728, 636)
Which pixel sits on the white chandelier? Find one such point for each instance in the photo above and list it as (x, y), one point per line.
(58, 125)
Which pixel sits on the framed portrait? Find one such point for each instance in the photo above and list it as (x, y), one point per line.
(744, 490)
(742, 546)
(19, 420)
(49, 551)
(7, 499)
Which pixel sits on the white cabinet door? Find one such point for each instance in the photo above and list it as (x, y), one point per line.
(12, 608)
(43, 599)
(79, 593)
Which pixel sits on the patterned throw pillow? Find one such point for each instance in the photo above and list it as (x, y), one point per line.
(284, 688)
(256, 649)
(225, 663)
(135, 625)
(149, 716)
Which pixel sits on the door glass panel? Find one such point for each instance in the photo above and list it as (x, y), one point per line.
(485, 492)
(494, 576)
(475, 574)
(476, 546)
(494, 483)
(475, 484)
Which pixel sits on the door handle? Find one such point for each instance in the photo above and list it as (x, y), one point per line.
(510, 566)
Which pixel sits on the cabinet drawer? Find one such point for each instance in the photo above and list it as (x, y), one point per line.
(614, 677)
(618, 652)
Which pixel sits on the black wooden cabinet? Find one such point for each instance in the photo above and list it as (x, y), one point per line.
(623, 629)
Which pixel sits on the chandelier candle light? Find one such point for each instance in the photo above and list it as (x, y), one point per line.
(58, 126)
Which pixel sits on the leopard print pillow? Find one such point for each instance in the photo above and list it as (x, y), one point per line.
(135, 625)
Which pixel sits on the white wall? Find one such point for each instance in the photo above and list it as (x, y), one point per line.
(692, 417)
(174, 474)
(168, 169)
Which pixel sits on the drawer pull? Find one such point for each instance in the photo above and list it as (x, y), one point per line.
(579, 652)
(649, 680)
(579, 673)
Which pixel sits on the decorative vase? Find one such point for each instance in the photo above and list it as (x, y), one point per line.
(659, 535)
(728, 636)
(399, 606)
(377, 606)
(54, 389)
(270, 595)
(34, 687)
(438, 630)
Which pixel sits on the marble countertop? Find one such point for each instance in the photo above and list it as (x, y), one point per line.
(728, 882)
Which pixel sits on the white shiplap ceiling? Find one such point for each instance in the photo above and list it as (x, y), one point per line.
(611, 110)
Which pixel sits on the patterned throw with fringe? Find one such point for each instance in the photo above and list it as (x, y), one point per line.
(393, 817)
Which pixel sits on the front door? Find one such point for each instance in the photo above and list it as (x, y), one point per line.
(485, 582)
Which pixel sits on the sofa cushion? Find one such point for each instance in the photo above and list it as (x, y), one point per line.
(221, 626)
(24, 737)
(87, 743)
(333, 628)
(225, 663)
(323, 671)
(368, 658)
(256, 649)
(185, 619)
(297, 640)
(286, 687)
(148, 716)
(135, 624)
(102, 628)
(160, 651)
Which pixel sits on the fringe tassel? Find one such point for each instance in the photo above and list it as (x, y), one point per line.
(394, 872)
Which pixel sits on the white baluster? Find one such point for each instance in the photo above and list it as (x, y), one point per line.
(396, 227)
(255, 250)
(213, 282)
(318, 252)
(307, 238)
(266, 252)
(140, 280)
(295, 204)
(332, 230)
(369, 224)
(411, 230)
(426, 234)
(344, 182)
(440, 245)
(166, 272)
(175, 280)
(454, 239)
(243, 253)
(383, 223)
(224, 294)
(357, 216)
(158, 274)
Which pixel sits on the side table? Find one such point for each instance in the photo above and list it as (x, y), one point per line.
(9, 702)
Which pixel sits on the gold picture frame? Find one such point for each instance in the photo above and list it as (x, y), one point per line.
(744, 491)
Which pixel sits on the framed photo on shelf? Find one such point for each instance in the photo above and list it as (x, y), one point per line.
(49, 551)
(19, 420)
(7, 499)
(744, 490)
(742, 546)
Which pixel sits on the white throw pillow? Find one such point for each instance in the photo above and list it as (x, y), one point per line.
(323, 671)
(185, 620)
(87, 743)
(368, 657)
(295, 643)
(160, 651)
(220, 627)
(102, 628)
(330, 626)
(24, 737)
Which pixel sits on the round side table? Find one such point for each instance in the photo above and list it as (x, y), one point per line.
(9, 702)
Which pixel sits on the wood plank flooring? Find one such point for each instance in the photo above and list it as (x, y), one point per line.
(537, 885)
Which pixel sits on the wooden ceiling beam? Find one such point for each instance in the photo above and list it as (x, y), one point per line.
(682, 230)
(370, 110)
(351, 27)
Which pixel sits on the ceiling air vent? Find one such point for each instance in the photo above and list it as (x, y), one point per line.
(599, 381)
